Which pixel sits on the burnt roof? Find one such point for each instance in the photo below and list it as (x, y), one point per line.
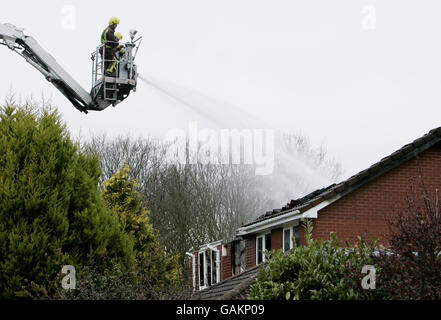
(233, 288)
(386, 164)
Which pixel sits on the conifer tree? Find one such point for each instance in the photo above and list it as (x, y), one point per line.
(154, 266)
(51, 211)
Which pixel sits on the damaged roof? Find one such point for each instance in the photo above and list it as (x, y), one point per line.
(386, 164)
(234, 288)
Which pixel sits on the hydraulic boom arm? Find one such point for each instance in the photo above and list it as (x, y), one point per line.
(29, 49)
(106, 90)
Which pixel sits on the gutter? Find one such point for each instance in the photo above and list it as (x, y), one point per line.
(311, 213)
(211, 245)
(218, 261)
(266, 223)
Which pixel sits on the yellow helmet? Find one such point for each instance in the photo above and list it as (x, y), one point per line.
(118, 35)
(114, 20)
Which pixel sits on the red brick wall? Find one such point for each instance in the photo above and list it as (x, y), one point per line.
(226, 267)
(250, 252)
(362, 211)
(277, 239)
(302, 235)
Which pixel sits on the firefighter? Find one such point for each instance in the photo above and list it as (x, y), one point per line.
(110, 41)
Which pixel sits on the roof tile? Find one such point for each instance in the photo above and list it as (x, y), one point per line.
(385, 164)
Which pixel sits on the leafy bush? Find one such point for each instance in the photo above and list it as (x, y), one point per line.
(155, 275)
(410, 268)
(114, 283)
(316, 271)
(121, 194)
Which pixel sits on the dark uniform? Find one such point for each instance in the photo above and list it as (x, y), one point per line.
(111, 46)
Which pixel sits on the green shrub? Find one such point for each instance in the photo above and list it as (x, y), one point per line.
(51, 210)
(155, 274)
(316, 271)
(154, 264)
(114, 283)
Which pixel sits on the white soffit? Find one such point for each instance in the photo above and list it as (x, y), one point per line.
(287, 218)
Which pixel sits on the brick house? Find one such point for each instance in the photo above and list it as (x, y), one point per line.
(352, 208)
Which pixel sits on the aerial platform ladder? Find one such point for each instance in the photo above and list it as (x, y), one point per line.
(106, 90)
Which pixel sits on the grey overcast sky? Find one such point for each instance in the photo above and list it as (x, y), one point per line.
(362, 78)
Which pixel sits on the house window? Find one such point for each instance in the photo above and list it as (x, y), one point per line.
(268, 241)
(263, 243)
(214, 266)
(290, 235)
(286, 239)
(208, 268)
(296, 234)
(201, 270)
(208, 265)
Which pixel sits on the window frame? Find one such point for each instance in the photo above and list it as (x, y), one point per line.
(298, 231)
(289, 229)
(213, 263)
(262, 236)
(215, 266)
(291, 235)
(202, 253)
